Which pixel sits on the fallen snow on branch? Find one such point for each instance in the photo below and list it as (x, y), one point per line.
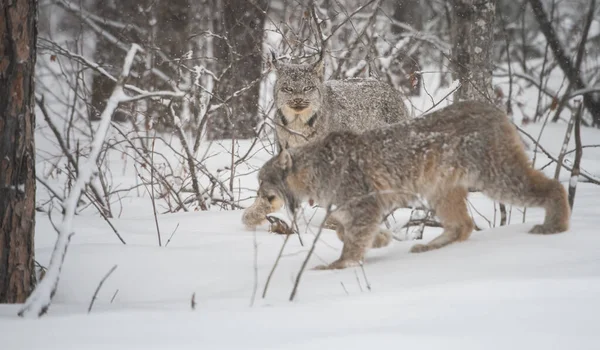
(39, 301)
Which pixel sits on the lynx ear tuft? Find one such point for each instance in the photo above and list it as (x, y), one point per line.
(318, 68)
(284, 160)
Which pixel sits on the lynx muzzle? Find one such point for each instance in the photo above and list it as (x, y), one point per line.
(255, 215)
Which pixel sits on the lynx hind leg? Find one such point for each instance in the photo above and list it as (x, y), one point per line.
(525, 186)
(511, 179)
(451, 208)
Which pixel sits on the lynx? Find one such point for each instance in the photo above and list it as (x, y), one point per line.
(435, 157)
(308, 108)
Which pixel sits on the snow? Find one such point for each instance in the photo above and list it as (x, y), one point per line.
(573, 181)
(501, 289)
(41, 297)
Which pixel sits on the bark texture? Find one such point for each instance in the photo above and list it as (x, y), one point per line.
(18, 34)
(163, 32)
(409, 12)
(242, 24)
(472, 36)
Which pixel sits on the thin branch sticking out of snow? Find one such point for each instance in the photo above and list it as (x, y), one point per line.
(39, 301)
(100, 286)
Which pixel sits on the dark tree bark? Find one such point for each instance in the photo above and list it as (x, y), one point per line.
(572, 71)
(18, 33)
(165, 30)
(168, 25)
(242, 23)
(409, 12)
(109, 55)
(472, 36)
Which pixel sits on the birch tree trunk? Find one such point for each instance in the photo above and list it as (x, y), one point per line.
(472, 39)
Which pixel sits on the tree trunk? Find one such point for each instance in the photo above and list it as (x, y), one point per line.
(242, 23)
(109, 56)
(472, 36)
(572, 71)
(18, 32)
(165, 25)
(409, 12)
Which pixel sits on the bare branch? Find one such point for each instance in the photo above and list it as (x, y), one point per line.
(39, 301)
(100, 286)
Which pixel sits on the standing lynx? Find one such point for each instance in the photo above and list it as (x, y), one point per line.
(436, 157)
(308, 108)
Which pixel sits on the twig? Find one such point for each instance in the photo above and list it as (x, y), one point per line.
(362, 268)
(589, 178)
(264, 294)
(255, 288)
(503, 218)
(578, 153)
(172, 233)
(152, 197)
(39, 301)
(114, 296)
(564, 61)
(112, 227)
(343, 286)
(162, 178)
(310, 252)
(100, 286)
(358, 281)
(565, 144)
(189, 158)
(68, 154)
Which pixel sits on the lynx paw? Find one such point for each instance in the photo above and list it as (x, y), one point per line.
(420, 248)
(382, 239)
(545, 230)
(338, 265)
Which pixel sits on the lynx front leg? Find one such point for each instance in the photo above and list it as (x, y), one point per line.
(381, 239)
(357, 240)
(452, 210)
(359, 224)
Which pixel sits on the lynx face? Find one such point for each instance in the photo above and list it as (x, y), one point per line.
(273, 191)
(267, 201)
(299, 90)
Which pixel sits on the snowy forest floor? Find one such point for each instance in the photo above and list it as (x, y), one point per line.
(503, 288)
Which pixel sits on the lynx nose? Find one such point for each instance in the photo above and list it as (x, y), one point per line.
(298, 101)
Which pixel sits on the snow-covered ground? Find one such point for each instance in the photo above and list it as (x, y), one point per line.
(501, 289)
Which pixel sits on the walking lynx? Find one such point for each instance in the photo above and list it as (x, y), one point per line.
(436, 157)
(308, 108)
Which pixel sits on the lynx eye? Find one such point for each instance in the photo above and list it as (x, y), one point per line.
(308, 88)
(286, 89)
(271, 198)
